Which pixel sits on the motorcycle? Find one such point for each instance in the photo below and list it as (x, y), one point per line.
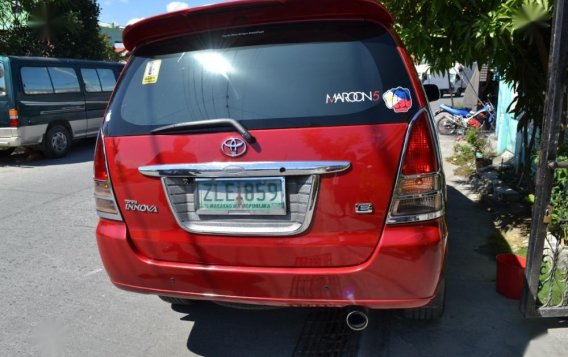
(450, 121)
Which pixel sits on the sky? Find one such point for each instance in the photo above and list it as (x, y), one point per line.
(123, 12)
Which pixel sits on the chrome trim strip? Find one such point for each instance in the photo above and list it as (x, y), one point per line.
(105, 102)
(410, 177)
(244, 231)
(50, 103)
(293, 228)
(419, 195)
(62, 110)
(109, 216)
(244, 169)
(415, 217)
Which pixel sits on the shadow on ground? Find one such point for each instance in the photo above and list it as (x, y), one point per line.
(507, 213)
(81, 151)
(477, 320)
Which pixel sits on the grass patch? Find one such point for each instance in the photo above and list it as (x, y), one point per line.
(500, 245)
(464, 159)
(475, 146)
(522, 251)
(551, 291)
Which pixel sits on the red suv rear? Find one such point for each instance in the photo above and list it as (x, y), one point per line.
(272, 152)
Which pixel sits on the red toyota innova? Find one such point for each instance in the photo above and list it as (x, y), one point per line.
(272, 152)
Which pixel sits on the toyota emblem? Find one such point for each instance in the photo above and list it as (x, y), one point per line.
(234, 147)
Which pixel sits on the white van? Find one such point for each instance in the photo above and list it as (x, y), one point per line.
(458, 78)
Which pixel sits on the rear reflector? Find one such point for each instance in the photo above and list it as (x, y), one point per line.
(419, 194)
(104, 197)
(14, 118)
(417, 205)
(420, 184)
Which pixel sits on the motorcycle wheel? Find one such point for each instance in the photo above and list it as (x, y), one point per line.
(445, 125)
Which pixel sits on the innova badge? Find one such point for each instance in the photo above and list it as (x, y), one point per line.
(133, 205)
(234, 147)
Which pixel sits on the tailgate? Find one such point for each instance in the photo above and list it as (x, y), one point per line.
(160, 212)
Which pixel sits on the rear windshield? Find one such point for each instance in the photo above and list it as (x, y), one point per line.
(270, 77)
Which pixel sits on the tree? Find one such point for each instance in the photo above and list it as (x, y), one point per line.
(57, 28)
(12, 18)
(512, 36)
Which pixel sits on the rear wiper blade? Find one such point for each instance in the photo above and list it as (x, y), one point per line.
(206, 123)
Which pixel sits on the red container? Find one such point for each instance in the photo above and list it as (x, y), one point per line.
(510, 275)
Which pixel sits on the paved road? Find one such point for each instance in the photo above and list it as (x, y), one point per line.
(57, 301)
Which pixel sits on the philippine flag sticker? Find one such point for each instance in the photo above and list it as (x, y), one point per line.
(398, 99)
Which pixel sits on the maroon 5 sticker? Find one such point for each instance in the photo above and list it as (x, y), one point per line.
(352, 97)
(398, 99)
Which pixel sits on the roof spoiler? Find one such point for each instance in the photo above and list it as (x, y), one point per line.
(249, 13)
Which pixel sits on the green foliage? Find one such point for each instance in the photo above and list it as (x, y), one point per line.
(108, 53)
(464, 159)
(462, 154)
(559, 199)
(512, 36)
(57, 28)
(485, 31)
(465, 155)
(478, 142)
(552, 285)
(529, 13)
(530, 198)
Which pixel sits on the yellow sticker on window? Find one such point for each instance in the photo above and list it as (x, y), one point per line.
(152, 72)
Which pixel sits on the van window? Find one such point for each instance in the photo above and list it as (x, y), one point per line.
(64, 79)
(3, 90)
(107, 78)
(91, 80)
(36, 80)
(271, 77)
(98, 80)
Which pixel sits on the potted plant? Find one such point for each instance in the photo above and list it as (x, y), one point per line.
(483, 154)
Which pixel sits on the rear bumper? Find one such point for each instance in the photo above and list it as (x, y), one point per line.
(22, 136)
(10, 137)
(403, 272)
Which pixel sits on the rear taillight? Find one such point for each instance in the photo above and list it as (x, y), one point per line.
(420, 157)
(104, 197)
(14, 118)
(419, 193)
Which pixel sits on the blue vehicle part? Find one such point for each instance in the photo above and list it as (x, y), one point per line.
(454, 111)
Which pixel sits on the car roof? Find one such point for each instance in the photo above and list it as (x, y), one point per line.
(29, 59)
(249, 13)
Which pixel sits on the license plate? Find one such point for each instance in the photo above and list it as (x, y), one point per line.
(241, 196)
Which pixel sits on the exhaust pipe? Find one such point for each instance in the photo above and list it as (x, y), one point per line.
(357, 320)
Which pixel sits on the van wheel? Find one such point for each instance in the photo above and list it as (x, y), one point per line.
(6, 152)
(434, 310)
(57, 141)
(176, 301)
